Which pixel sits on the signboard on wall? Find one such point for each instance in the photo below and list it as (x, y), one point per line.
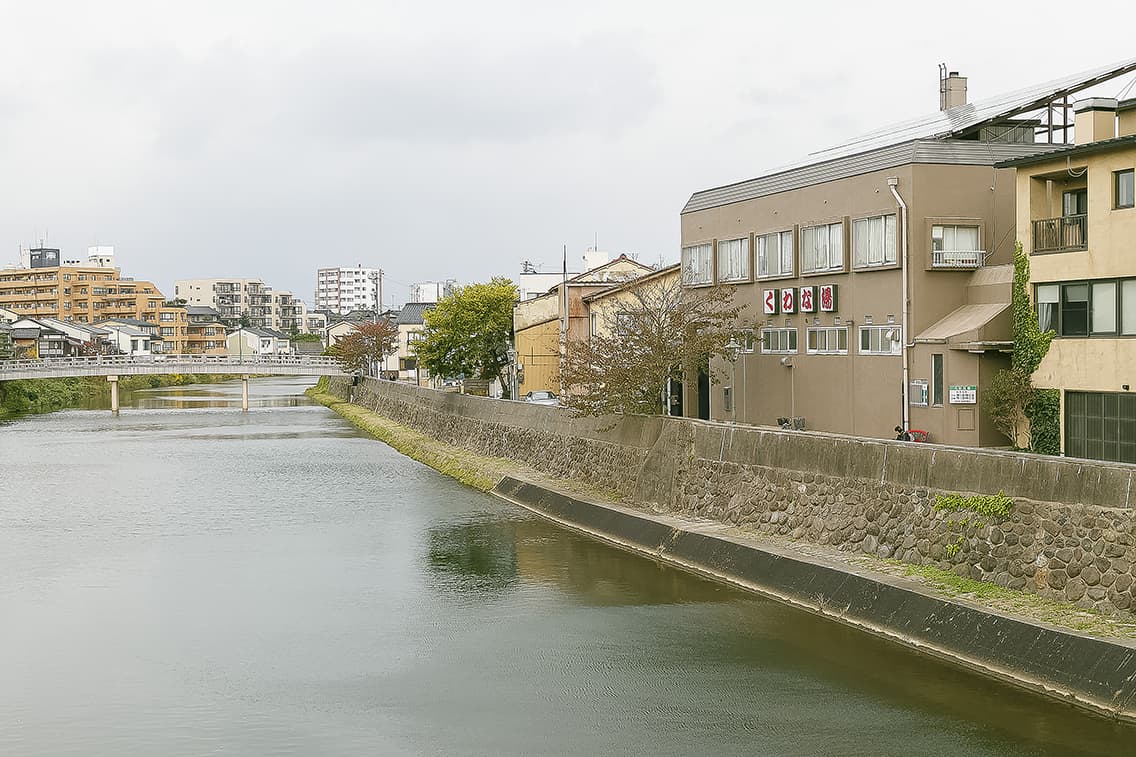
(789, 300)
(962, 395)
(769, 301)
(827, 297)
(808, 299)
(43, 257)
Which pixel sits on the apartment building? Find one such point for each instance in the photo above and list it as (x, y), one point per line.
(341, 290)
(1077, 220)
(205, 333)
(538, 321)
(80, 293)
(432, 291)
(250, 301)
(875, 275)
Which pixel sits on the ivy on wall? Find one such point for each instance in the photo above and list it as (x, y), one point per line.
(1028, 416)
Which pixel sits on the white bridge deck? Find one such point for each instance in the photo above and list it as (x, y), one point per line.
(134, 365)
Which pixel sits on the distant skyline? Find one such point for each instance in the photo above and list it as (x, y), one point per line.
(455, 140)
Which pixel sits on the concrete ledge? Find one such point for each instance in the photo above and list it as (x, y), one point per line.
(1098, 674)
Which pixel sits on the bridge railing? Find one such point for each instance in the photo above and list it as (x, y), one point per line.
(240, 363)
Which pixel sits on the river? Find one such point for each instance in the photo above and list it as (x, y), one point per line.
(188, 579)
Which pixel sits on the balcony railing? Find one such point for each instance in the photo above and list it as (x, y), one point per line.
(958, 258)
(1061, 234)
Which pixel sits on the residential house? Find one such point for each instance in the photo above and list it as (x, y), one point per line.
(255, 341)
(538, 322)
(1077, 220)
(136, 329)
(205, 333)
(93, 339)
(403, 365)
(865, 274)
(5, 340)
(32, 338)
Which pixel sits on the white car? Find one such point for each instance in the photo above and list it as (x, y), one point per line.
(542, 397)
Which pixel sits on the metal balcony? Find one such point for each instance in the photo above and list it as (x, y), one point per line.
(1061, 234)
(966, 259)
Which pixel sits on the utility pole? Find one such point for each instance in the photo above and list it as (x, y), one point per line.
(564, 323)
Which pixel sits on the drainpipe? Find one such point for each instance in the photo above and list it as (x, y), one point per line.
(893, 182)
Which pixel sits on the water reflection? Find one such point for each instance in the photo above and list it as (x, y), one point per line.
(476, 556)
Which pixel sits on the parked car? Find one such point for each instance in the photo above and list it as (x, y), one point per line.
(542, 397)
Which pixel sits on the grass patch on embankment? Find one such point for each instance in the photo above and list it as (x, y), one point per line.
(47, 395)
(470, 468)
(1011, 601)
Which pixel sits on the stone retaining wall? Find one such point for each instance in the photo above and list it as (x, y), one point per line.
(1071, 533)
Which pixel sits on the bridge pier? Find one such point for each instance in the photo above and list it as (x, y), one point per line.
(244, 392)
(113, 393)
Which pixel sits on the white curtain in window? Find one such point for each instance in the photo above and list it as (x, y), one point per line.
(1104, 308)
(786, 253)
(1047, 295)
(954, 238)
(696, 262)
(835, 246)
(733, 259)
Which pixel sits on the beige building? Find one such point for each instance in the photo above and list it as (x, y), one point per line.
(1077, 220)
(235, 299)
(83, 294)
(539, 321)
(875, 275)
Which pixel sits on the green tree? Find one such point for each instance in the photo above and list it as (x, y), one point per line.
(659, 331)
(468, 333)
(365, 347)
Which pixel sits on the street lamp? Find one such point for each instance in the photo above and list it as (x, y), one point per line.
(511, 354)
(732, 350)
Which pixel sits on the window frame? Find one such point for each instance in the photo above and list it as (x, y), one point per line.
(1118, 330)
(868, 329)
(684, 267)
(746, 261)
(780, 237)
(828, 226)
(789, 333)
(1116, 176)
(826, 330)
(894, 236)
(938, 379)
(956, 223)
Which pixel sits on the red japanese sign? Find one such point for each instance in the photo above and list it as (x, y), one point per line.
(769, 301)
(789, 300)
(827, 298)
(808, 299)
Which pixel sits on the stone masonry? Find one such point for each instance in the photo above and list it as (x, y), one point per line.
(1071, 534)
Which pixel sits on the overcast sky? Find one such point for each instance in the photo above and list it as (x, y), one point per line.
(456, 139)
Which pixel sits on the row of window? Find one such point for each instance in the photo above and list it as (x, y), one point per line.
(874, 244)
(1087, 308)
(1123, 189)
(832, 340)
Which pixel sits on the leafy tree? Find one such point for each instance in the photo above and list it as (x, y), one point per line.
(661, 331)
(362, 349)
(468, 332)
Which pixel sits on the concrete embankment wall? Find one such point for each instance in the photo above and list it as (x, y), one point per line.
(1071, 534)
(1095, 673)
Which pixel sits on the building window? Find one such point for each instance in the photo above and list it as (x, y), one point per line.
(1075, 202)
(830, 340)
(880, 340)
(728, 399)
(167, 331)
(775, 254)
(696, 264)
(873, 241)
(937, 379)
(733, 259)
(822, 248)
(1124, 190)
(747, 341)
(1074, 314)
(779, 341)
(954, 238)
(595, 323)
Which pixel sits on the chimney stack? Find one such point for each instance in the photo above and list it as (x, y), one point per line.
(952, 90)
(1094, 119)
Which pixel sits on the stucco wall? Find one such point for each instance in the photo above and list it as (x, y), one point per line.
(1071, 534)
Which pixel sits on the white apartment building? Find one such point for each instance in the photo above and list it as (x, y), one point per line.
(432, 291)
(234, 299)
(342, 290)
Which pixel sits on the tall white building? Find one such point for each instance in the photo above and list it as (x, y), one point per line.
(342, 290)
(251, 299)
(432, 291)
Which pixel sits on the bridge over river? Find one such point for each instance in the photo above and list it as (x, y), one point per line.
(113, 366)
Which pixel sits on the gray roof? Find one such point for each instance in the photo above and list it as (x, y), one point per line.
(412, 313)
(1103, 145)
(915, 142)
(201, 310)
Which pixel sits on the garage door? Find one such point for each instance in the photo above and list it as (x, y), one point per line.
(1101, 426)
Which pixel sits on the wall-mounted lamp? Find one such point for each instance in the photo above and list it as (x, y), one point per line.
(787, 361)
(788, 322)
(816, 320)
(836, 321)
(868, 319)
(891, 318)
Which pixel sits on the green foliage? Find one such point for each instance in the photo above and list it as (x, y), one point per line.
(468, 333)
(1020, 411)
(363, 348)
(991, 505)
(955, 547)
(1044, 412)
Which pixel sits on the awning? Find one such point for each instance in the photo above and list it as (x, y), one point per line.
(965, 320)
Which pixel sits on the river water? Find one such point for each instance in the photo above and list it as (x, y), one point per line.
(187, 579)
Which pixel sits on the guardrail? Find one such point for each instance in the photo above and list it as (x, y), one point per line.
(156, 363)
